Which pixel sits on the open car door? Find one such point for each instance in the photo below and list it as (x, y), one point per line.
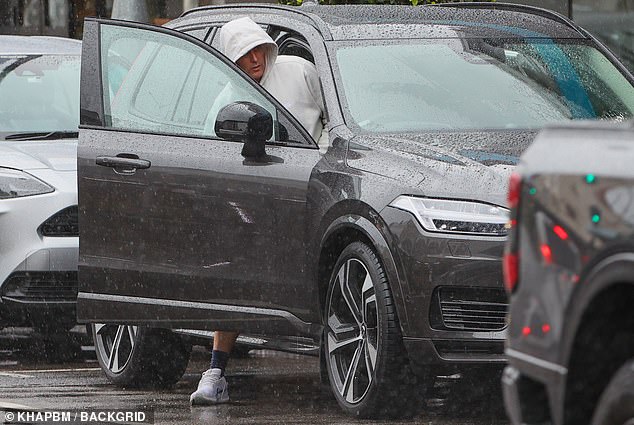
(177, 228)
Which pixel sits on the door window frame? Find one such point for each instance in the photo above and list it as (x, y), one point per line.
(314, 36)
(92, 106)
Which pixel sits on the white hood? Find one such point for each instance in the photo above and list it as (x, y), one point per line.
(239, 36)
(59, 155)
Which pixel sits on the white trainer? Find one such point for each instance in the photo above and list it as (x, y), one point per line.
(212, 389)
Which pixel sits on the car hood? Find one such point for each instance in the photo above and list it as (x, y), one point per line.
(59, 155)
(469, 165)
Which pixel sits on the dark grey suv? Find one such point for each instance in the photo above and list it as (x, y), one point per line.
(383, 246)
(570, 274)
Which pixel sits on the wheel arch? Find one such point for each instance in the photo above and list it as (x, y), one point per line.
(359, 223)
(599, 321)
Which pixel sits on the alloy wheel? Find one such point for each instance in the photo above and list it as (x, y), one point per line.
(115, 344)
(352, 331)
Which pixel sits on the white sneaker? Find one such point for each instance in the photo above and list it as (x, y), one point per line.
(212, 389)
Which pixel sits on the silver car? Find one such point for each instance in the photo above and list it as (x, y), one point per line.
(39, 241)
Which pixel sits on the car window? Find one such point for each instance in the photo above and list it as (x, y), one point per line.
(170, 85)
(479, 84)
(292, 43)
(39, 93)
(198, 33)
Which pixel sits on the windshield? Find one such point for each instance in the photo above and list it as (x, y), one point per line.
(477, 84)
(38, 94)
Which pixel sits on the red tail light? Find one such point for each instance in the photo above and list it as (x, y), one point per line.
(561, 232)
(510, 266)
(547, 253)
(515, 185)
(510, 261)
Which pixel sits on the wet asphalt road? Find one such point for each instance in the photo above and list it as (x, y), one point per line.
(266, 388)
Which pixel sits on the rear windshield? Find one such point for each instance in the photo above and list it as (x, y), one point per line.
(477, 84)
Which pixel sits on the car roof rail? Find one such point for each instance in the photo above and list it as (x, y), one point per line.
(538, 11)
(317, 22)
(234, 6)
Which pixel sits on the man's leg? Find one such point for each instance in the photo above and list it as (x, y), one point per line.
(213, 388)
(223, 344)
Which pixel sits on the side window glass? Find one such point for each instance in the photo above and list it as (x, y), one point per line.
(163, 84)
(208, 85)
(160, 83)
(199, 33)
(294, 45)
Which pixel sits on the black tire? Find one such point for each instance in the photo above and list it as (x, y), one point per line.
(616, 405)
(139, 357)
(362, 334)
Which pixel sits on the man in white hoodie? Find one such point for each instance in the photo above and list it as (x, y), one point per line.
(294, 82)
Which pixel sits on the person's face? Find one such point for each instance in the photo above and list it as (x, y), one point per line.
(254, 62)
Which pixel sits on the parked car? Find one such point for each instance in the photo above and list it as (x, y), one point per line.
(383, 248)
(569, 268)
(39, 238)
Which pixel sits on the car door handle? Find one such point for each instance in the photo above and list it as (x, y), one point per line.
(127, 163)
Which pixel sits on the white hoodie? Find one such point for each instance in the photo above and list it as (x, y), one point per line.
(292, 80)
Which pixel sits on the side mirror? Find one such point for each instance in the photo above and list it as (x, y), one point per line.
(248, 123)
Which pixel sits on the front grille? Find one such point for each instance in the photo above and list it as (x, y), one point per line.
(41, 286)
(470, 309)
(64, 223)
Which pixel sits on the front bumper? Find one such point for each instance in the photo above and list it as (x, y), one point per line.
(455, 306)
(39, 251)
(445, 357)
(40, 299)
(41, 291)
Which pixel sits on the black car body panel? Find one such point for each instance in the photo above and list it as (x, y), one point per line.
(571, 323)
(203, 238)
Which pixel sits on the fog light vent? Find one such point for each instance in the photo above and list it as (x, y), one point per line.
(64, 223)
(470, 309)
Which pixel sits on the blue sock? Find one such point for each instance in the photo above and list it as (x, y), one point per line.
(219, 360)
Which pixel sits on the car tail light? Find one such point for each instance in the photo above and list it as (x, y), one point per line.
(547, 253)
(515, 185)
(510, 261)
(510, 266)
(561, 232)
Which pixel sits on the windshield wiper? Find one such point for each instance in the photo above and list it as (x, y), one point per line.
(42, 135)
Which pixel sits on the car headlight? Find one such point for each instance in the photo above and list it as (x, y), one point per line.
(451, 216)
(16, 184)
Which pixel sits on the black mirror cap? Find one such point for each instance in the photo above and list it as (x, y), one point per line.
(244, 122)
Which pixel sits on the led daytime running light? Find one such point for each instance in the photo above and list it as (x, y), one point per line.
(447, 215)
